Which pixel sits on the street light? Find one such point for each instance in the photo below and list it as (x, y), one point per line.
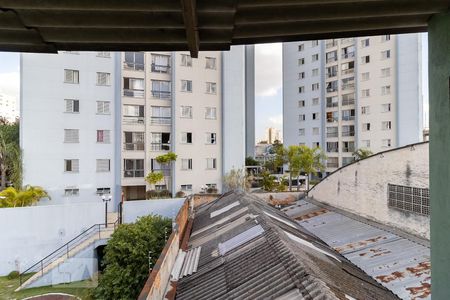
(106, 199)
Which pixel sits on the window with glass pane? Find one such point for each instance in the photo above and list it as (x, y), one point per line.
(72, 106)
(103, 136)
(348, 115)
(211, 87)
(332, 131)
(133, 168)
(134, 61)
(71, 76)
(134, 141)
(160, 63)
(333, 101)
(186, 60)
(211, 63)
(348, 130)
(186, 85)
(186, 164)
(186, 112)
(133, 114)
(210, 113)
(211, 163)
(161, 89)
(103, 107)
(133, 87)
(210, 138)
(160, 141)
(186, 137)
(161, 115)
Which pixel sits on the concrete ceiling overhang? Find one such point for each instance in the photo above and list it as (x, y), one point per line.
(189, 25)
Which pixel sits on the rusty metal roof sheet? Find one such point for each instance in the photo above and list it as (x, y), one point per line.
(401, 265)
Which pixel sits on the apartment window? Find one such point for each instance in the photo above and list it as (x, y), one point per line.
(103, 108)
(133, 114)
(348, 68)
(365, 110)
(186, 137)
(315, 86)
(386, 107)
(210, 113)
(71, 76)
(365, 93)
(348, 130)
(301, 103)
(186, 85)
(103, 78)
(348, 115)
(348, 146)
(71, 136)
(385, 143)
(386, 72)
(315, 57)
(331, 56)
(386, 54)
(301, 75)
(348, 83)
(365, 43)
(161, 115)
(348, 99)
(315, 116)
(186, 60)
(103, 165)
(71, 165)
(161, 89)
(211, 88)
(315, 131)
(365, 143)
(160, 63)
(332, 116)
(332, 146)
(332, 162)
(133, 87)
(301, 47)
(348, 52)
(163, 168)
(186, 187)
(134, 61)
(211, 163)
(133, 168)
(386, 90)
(365, 59)
(103, 191)
(332, 86)
(160, 141)
(72, 106)
(332, 132)
(186, 164)
(210, 63)
(315, 101)
(314, 43)
(134, 141)
(210, 138)
(385, 38)
(301, 131)
(103, 136)
(366, 127)
(386, 125)
(301, 89)
(332, 71)
(365, 76)
(347, 160)
(186, 112)
(104, 54)
(315, 72)
(331, 43)
(301, 117)
(301, 61)
(71, 192)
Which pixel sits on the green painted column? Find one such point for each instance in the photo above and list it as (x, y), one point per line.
(439, 85)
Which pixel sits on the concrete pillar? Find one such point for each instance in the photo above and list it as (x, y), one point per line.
(439, 85)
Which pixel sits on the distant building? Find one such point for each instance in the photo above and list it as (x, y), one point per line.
(8, 107)
(272, 135)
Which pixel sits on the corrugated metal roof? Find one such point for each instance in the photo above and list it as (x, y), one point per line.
(240, 239)
(401, 265)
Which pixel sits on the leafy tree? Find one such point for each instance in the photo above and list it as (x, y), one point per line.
(154, 177)
(127, 259)
(250, 161)
(268, 181)
(12, 197)
(293, 159)
(280, 156)
(10, 155)
(311, 161)
(236, 180)
(362, 153)
(166, 160)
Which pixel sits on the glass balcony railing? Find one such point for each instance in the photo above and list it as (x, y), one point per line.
(133, 93)
(133, 173)
(332, 134)
(162, 94)
(160, 147)
(348, 55)
(348, 86)
(133, 66)
(348, 133)
(130, 120)
(161, 120)
(133, 146)
(348, 71)
(160, 68)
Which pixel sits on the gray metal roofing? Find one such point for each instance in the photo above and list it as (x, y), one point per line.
(268, 256)
(401, 265)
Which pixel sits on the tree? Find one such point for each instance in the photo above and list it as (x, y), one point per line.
(236, 180)
(362, 153)
(10, 155)
(12, 197)
(250, 161)
(293, 157)
(154, 177)
(311, 161)
(127, 258)
(268, 181)
(166, 160)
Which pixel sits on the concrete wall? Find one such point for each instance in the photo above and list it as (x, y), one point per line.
(361, 188)
(164, 207)
(31, 233)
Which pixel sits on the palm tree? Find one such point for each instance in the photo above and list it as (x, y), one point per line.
(12, 197)
(311, 161)
(362, 153)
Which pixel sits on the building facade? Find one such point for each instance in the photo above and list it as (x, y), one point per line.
(351, 93)
(8, 107)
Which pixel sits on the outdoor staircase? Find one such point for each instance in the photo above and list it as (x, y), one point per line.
(88, 237)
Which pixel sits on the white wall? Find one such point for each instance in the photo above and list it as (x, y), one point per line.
(361, 188)
(31, 233)
(139, 208)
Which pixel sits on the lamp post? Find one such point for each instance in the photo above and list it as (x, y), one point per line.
(106, 199)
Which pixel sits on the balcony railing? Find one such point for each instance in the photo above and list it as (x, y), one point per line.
(348, 102)
(130, 120)
(331, 89)
(348, 55)
(332, 134)
(133, 146)
(348, 71)
(133, 66)
(331, 74)
(133, 93)
(160, 147)
(348, 149)
(332, 104)
(162, 94)
(331, 44)
(348, 86)
(332, 120)
(331, 59)
(166, 172)
(348, 118)
(133, 173)
(333, 150)
(160, 68)
(161, 120)
(332, 164)
(348, 133)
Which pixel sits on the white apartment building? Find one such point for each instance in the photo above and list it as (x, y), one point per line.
(351, 93)
(8, 107)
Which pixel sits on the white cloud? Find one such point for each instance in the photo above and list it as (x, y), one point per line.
(268, 62)
(10, 84)
(276, 121)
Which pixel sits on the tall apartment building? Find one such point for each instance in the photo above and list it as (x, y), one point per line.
(351, 93)
(94, 123)
(8, 107)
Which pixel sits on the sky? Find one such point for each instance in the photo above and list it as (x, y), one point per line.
(9, 74)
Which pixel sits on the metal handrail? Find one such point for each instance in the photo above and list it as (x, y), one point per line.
(65, 249)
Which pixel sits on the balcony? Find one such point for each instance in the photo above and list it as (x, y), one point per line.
(348, 118)
(332, 89)
(332, 134)
(160, 147)
(332, 104)
(332, 164)
(162, 94)
(348, 71)
(160, 68)
(331, 74)
(133, 66)
(133, 146)
(131, 120)
(348, 149)
(348, 86)
(133, 173)
(161, 120)
(331, 44)
(133, 93)
(348, 55)
(348, 102)
(348, 133)
(332, 119)
(331, 59)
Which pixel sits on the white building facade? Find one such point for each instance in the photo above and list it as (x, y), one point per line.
(8, 107)
(352, 93)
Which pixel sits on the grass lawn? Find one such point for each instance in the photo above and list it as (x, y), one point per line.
(80, 289)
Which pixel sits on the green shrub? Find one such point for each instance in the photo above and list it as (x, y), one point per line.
(13, 275)
(164, 194)
(151, 194)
